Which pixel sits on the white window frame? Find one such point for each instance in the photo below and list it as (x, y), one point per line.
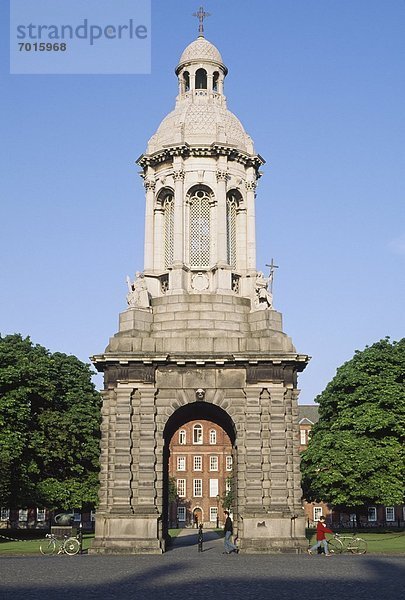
(181, 513)
(181, 463)
(214, 463)
(41, 515)
(198, 463)
(303, 437)
(214, 488)
(197, 488)
(23, 515)
(317, 512)
(213, 514)
(4, 514)
(390, 514)
(229, 462)
(198, 434)
(372, 514)
(182, 437)
(181, 488)
(228, 485)
(92, 516)
(213, 437)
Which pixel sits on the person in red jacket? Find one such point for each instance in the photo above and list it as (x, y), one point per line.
(321, 529)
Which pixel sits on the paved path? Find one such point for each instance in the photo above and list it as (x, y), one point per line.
(185, 574)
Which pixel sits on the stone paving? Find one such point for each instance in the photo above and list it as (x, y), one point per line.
(183, 573)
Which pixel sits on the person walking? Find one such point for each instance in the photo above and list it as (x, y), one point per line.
(321, 529)
(228, 530)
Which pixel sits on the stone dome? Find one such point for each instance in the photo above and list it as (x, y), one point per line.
(200, 124)
(199, 51)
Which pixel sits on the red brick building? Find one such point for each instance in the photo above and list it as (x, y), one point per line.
(200, 465)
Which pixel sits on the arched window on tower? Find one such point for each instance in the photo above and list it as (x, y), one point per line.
(231, 206)
(200, 228)
(215, 81)
(201, 79)
(168, 207)
(186, 79)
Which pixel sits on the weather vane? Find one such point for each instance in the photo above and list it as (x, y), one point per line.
(201, 15)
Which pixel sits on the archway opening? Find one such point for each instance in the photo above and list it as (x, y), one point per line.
(198, 472)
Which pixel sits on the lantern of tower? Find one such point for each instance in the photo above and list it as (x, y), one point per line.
(200, 173)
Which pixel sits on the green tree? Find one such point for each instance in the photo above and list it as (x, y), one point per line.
(49, 427)
(356, 453)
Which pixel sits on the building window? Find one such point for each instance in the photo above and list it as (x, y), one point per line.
(213, 436)
(186, 78)
(41, 514)
(181, 488)
(303, 437)
(92, 516)
(215, 81)
(231, 230)
(197, 485)
(181, 513)
(23, 514)
(201, 79)
(213, 514)
(197, 463)
(213, 488)
(197, 434)
(182, 437)
(4, 514)
(229, 463)
(228, 484)
(389, 513)
(200, 229)
(372, 514)
(317, 512)
(213, 463)
(168, 207)
(181, 463)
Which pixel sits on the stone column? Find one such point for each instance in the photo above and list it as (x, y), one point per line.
(176, 284)
(278, 444)
(251, 224)
(147, 458)
(222, 255)
(150, 185)
(107, 444)
(253, 457)
(123, 452)
(241, 238)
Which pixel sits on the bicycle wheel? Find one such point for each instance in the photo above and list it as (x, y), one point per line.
(335, 546)
(71, 546)
(358, 546)
(47, 547)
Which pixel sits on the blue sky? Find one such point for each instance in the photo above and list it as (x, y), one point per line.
(318, 84)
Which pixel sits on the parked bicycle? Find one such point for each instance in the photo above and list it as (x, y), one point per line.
(52, 545)
(347, 543)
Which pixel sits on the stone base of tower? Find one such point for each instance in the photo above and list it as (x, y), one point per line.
(265, 533)
(127, 535)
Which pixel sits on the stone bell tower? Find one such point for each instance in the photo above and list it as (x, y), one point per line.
(200, 338)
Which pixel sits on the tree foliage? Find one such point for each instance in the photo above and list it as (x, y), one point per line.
(356, 453)
(49, 427)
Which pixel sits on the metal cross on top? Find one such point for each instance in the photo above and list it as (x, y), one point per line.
(271, 274)
(201, 15)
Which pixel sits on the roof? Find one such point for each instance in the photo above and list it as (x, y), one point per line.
(308, 412)
(201, 50)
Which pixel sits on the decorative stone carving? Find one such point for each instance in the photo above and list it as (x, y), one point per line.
(138, 295)
(200, 394)
(222, 176)
(251, 185)
(149, 184)
(200, 282)
(263, 298)
(178, 175)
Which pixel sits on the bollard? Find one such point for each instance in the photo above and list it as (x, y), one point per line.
(200, 538)
(80, 537)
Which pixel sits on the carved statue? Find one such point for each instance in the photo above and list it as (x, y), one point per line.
(263, 297)
(138, 295)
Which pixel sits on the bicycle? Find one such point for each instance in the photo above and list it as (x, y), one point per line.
(347, 543)
(69, 545)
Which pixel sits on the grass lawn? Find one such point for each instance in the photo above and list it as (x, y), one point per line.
(31, 546)
(392, 542)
